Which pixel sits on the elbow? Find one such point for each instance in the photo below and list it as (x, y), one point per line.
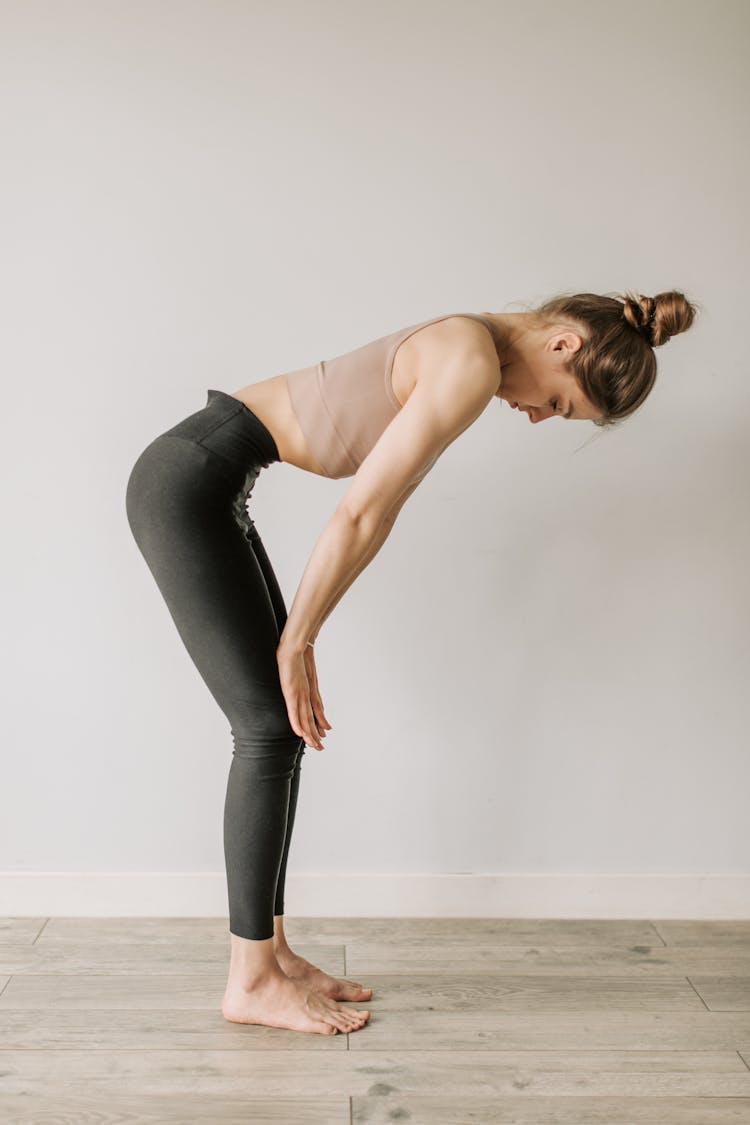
(365, 521)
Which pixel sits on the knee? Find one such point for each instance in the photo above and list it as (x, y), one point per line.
(262, 733)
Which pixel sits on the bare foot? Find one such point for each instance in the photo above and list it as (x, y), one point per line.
(337, 988)
(279, 1001)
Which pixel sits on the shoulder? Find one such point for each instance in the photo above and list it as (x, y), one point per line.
(457, 346)
(458, 375)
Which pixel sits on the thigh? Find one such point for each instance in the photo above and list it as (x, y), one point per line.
(279, 607)
(272, 585)
(180, 509)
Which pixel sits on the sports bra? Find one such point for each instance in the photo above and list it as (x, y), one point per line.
(344, 404)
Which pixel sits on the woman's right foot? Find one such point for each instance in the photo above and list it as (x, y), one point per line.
(277, 1001)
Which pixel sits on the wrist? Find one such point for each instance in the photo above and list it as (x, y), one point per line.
(290, 646)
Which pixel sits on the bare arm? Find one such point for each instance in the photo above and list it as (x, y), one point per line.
(380, 538)
(342, 552)
(436, 412)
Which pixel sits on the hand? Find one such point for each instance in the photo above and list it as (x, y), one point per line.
(317, 703)
(299, 684)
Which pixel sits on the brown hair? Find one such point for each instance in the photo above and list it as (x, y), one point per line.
(615, 365)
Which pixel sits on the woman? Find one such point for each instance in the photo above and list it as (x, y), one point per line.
(382, 414)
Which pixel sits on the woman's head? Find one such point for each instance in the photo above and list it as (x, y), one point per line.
(598, 351)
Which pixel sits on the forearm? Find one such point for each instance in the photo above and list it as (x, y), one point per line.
(344, 549)
(382, 534)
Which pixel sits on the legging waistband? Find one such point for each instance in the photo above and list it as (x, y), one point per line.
(229, 429)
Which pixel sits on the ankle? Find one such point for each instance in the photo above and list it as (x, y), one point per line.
(281, 947)
(252, 962)
(280, 944)
(249, 982)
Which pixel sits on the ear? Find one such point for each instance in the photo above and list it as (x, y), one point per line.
(569, 341)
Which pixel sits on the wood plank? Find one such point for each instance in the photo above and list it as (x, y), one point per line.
(480, 1030)
(643, 961)
(582, 933)
(20, 930)
(144, 1029)
(723, 993)
(462, 1074)
(175, 1108)
(123, 931)
(380, 957)
(700, 932)
(550, 1111)
(579, 932)
(429, 992)
(141, 957)
(490, 1029)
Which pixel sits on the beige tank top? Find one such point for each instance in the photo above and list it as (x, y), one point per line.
(344, 404)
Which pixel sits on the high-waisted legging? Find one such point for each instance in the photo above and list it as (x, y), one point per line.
(186, 505)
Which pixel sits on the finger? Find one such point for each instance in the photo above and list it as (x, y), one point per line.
(318, 707)
(295, 723)
(295, 719)
(315, 738)
(324, 721)
(299, 718)
(306, 728)
(320, 721)
(320, 712)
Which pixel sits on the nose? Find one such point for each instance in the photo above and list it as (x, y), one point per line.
(541, 415)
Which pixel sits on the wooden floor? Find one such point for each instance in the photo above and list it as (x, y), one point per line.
(472, 1021)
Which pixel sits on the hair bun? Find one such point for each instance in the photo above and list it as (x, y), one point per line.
(658, 318)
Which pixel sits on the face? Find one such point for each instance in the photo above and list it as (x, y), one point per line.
(534, 380)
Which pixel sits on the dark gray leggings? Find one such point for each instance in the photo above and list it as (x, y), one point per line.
(185, 504)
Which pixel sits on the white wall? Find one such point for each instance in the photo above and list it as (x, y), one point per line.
(545, 669)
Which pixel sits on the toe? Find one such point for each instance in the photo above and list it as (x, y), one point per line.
(355, 986)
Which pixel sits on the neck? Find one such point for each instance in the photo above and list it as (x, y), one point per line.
(509, 327)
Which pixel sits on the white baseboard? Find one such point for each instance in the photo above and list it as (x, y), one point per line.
(185, 894)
